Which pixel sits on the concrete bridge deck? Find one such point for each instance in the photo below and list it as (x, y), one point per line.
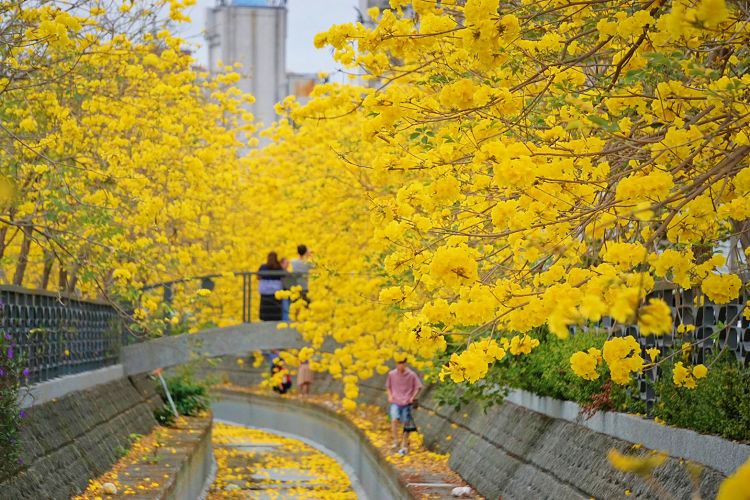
(176, 350)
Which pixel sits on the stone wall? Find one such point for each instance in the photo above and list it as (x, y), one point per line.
(513, 452)
(68, 441)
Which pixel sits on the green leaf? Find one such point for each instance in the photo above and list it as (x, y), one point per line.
(602, 122)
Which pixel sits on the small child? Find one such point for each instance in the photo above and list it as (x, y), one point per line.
(304, 378)
(286, 379)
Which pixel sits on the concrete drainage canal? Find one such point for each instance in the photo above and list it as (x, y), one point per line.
(287, 467)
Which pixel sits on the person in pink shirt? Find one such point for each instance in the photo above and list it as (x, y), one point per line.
(403, 386)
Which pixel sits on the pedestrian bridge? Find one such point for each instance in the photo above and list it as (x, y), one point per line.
(175, 350)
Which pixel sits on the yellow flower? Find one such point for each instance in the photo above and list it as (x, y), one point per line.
(28, 124)
(653, 353)
(735, 487)
(391, 295)
(712, 12)
(721, 288)
(683, 377)
(642, 465)
(622, 355)
(655, 318)
(700, 371)
(454, 265)
(584, 365)
(522, 344)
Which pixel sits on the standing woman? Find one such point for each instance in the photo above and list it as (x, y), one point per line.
(269, 282)
(287, 281)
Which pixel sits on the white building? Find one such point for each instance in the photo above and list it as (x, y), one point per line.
(253, 33)
(364, 5)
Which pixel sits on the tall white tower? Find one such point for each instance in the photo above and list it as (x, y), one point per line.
(253, 33)
(366, 4)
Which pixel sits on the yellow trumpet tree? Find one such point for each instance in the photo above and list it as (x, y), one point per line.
(522, 165)
(120, 161)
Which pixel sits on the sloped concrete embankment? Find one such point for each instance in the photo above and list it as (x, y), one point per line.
(68, 440)
(65, 442)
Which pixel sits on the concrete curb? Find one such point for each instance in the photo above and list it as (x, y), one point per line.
(376, 476)
(59, 387)
(190, 480)
(720, 454)
(210, 479)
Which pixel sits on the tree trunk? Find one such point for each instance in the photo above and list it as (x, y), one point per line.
(73, 279)
(3, 234)
(62, 279)
(49, 261)
(23, 256)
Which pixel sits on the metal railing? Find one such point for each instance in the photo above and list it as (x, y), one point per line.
(207, 281)
(58, 335)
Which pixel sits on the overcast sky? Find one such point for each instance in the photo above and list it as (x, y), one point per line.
(305, 19)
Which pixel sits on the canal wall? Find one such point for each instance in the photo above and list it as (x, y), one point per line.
(67, 441)
(532, 447)
(79, 435)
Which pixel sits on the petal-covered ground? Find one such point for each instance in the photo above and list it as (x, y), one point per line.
(426, 474)
(258, 464)
(150, 464)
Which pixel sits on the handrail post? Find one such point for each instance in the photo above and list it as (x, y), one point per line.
(244, 297)
(249, 298)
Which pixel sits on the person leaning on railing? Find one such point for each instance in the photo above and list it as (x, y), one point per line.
(288, 280)
(300, 267)
(269, 282)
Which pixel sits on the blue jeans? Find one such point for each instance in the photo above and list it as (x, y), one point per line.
(400, 413)
(285, 309)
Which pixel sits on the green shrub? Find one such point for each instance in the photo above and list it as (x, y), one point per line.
(12, 375)
(546, 372)
(190, 397)
(719, 405)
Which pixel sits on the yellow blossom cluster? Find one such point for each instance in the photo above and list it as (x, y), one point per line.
(643, 465)
(686, 377)
(623, 357)
(501, 168)
(119, 160)
(585, 363)
(521, 344)
(734, 487)
(473, 363)
(504, 168)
